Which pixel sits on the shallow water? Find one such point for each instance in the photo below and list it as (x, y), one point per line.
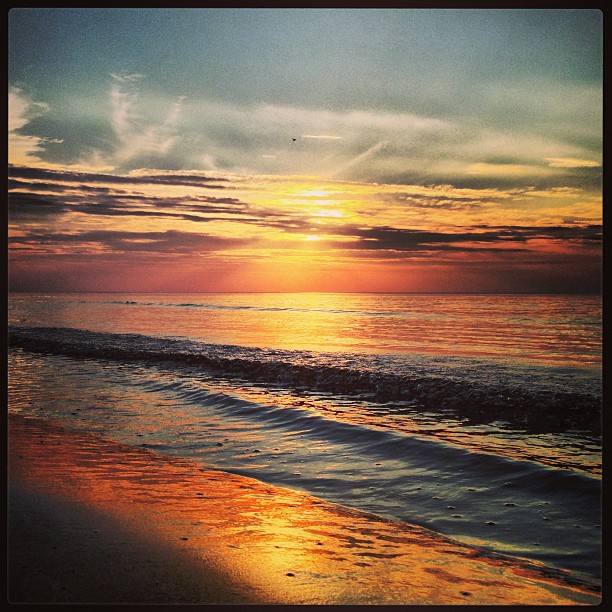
(281, 545)
(392, 432)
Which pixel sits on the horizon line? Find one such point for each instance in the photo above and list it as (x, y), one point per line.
(62, 292)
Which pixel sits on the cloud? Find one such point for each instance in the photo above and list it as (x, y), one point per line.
(25, 207)
(170, 241)
(503, 169)
(50, 193)
(21, 110)
(552, 193)
(140, 178)
(138, 136)
(373, 221)
(570, 162)
(381, 242)
(176, 133)
(358, 159)
(321, 137)
(240, 136)
(127, 78)
(317, 123)
(408, 240)
(103, 202)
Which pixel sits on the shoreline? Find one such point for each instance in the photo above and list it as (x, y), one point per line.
(93, 521)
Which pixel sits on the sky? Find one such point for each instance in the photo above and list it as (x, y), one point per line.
(385, 150)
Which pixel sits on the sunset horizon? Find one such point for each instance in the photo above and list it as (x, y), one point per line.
(302, 165)
(311, 291)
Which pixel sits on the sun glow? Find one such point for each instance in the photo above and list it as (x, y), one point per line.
(336, 214)
(308, 233)
(314, 193)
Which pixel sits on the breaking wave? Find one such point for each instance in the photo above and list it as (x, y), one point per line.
(545, 399)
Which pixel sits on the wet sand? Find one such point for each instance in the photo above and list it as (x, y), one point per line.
(92, 521)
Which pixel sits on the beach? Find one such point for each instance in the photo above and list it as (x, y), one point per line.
(93, 521)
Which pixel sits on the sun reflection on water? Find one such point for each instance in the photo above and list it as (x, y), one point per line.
(288, 546)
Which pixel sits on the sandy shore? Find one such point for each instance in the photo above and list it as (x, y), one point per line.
(91, 521)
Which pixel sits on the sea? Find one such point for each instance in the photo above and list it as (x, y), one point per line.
(475, 416)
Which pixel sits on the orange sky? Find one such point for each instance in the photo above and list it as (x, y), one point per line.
(173, 231)
(269, 151)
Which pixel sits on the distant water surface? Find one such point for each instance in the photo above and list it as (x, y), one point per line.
(536, 328)
(476, 416)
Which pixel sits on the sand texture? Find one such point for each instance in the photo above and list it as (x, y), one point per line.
(92, 521)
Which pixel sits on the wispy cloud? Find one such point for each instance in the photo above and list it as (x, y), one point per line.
(358, 159)
(571, 162)
(170, 241)
(321, 137)
(243, 138)
(361, 145)
(21, 110)
(127, 78)
(137, 136)
(503, 169)
(134, 178)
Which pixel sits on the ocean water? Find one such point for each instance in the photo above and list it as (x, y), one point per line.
(475, 416)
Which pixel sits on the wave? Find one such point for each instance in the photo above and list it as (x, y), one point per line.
(421, 452)
(527, 509)
(420, 477)
(368, 313)
(484, 397)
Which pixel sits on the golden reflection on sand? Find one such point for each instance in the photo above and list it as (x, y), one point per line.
(285, 546)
